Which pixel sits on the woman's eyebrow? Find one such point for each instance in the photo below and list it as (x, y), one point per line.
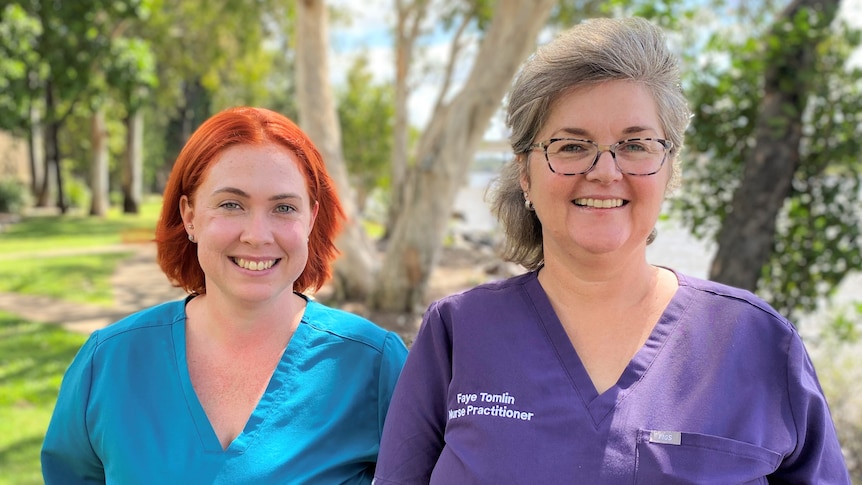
(244, 194)
(580, 132)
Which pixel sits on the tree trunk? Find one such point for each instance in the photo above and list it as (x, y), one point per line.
(133, 163)
(745, 241)
(318, 116)
(445, 153)
(36, 141)
(53, 173)
(409, 16)
(53, 144)
(99, 200)
(49, 182)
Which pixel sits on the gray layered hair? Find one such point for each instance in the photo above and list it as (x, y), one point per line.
(592, 52)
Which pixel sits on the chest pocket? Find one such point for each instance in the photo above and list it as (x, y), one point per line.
(700, 459)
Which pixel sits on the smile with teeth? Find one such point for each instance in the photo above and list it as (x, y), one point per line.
(254, 265)
(599, 203)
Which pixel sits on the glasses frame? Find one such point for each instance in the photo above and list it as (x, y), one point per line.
(668, 146)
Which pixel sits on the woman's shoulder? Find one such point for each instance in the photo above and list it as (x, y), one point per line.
(497, 295)
(155, 317)
(347, 326)
(712, 296)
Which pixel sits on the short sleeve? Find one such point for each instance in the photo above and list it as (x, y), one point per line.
(392, 361)
(413, 434)
(67, 453)
(817, 457)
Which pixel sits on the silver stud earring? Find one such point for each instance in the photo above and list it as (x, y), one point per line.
(191, 226)
(192, 238)
(652, 235)
(527, 203)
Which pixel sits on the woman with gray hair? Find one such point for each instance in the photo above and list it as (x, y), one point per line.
(596, 366)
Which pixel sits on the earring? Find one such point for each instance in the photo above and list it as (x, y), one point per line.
(192, 238)
(191, 226)
(652, 235)
(527, 203)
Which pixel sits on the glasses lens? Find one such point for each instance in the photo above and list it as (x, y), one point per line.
(571, 156)
(640, 156)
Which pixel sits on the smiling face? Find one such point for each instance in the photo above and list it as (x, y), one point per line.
(602, 211)
(251, 219)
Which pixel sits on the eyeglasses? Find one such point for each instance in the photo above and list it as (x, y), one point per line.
(635, 156)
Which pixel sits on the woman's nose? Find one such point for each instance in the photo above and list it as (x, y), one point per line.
(605, 168)
(257, 230)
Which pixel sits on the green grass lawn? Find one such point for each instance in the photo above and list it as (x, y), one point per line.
(70, 257)
(82, 279)
(33, 358)
(67, 257)
(39, 235)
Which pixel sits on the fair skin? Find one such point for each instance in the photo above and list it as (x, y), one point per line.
(251, 217)
(596, 275)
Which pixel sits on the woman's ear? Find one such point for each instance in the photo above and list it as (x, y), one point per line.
(314, 209)
(187, 212)
(525, 172)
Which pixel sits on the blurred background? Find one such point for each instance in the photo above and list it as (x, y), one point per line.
(404, 100)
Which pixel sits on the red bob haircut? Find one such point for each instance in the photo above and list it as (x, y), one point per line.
(177, 256)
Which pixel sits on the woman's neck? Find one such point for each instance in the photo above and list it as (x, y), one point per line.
(245, 325)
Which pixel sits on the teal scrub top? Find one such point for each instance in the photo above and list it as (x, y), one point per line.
(127, 412)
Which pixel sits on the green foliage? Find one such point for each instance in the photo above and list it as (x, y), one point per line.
(75, 142)
(229, 47)
(69, 62)
(13, 197)
(665, 12)
(817, 238)
(566, 14)
(724, 95)
(133, 71)
(33, 358)
(844, 327)
(366, 111)
(19, 33)
(478, 11)
(74, 37)
(78, 193)
(836, 351)
(211, 55)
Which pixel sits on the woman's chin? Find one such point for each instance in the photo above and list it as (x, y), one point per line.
(601, 243)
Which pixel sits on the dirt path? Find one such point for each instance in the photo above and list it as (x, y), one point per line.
(138, 283)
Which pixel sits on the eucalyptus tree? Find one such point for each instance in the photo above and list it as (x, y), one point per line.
(366, 113)
(438, 165)
(133, 76)
(774, 173)
(446, 147)
(19, 36)
(210, 55)
(488, 40)
(318, 116)
(71, 44)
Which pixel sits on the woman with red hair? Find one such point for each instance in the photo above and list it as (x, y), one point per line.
(247, 379)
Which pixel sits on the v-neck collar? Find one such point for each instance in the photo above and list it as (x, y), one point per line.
(279, 384)
(599, 406)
